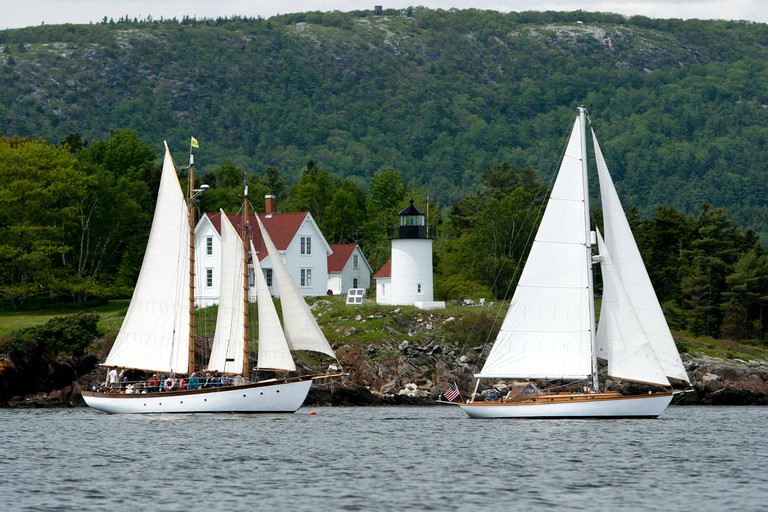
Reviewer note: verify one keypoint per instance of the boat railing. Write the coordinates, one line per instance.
(166, 384)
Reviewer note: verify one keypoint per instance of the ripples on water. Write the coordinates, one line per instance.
(382, 458)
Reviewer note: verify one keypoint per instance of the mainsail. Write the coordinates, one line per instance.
(301, 329)
(547, 330)
(155, 332)
(228, 339)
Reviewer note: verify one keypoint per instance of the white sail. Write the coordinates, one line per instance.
(274, 353)
(633, 274)
(547, 330)
(301, 328)
(228, 339)
(155, 332)
(629, 352)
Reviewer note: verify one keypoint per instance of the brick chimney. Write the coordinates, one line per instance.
(269, 204)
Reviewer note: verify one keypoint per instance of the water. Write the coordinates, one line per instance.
(382, 458)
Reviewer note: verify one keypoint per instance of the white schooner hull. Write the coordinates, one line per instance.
(616, 406)
(268, 396)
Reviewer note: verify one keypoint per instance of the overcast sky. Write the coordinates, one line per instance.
(24, 13)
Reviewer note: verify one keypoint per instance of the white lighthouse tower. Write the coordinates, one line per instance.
(409, 282)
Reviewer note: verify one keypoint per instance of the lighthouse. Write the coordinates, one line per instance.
(406, 279)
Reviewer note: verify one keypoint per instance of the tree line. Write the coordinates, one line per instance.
(74, 218)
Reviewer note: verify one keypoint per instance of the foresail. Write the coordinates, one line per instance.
(274, 353)
(631, 270)
(547, 330)
(227, 349)
(155, 332)
(301, 328)
(621, 338)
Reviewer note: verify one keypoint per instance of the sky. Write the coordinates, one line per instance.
(26, 13)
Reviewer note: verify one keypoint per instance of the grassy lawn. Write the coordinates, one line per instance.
(722, 348)
(111, 316)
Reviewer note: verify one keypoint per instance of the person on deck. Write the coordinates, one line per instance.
(112, 377)
(194, 381)
(154, 384)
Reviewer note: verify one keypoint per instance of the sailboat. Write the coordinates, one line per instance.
(157, 334)
(549, 329)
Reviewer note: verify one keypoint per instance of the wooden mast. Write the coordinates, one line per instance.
(246, 239)
(191, 219)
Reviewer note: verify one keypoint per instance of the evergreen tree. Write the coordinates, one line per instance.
(747, 297)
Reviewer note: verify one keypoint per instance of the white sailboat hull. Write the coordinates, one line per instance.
(268, 396)
(615, 406)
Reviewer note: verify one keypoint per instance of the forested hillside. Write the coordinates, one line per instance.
(349, 115)
(439, 95)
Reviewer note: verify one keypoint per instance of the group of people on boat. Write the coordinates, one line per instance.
(116, 383)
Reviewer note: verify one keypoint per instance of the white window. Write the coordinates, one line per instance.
(268, 276)
(306, 277)
(354, 263)
(209, 245)
(354, 282)
(418, 288)
(306, 245)
(251, 277)
(209, 277)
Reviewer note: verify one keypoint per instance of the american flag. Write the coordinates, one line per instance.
(451, 393)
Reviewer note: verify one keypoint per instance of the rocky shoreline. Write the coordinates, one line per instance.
(406, 380)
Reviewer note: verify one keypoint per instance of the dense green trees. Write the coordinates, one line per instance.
(708, 273)
(67, 220)
(488, 234)
(41, 189)
(437, 94)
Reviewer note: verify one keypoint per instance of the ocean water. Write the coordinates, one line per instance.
(382, 458)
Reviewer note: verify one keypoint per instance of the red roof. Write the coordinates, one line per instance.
(282, 228)
(340, 256)
(385, 271)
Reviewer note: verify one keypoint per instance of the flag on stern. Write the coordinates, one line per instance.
(194, 143)
(451, 393)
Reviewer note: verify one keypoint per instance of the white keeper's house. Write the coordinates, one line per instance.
(298, 241)
(347, 268)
